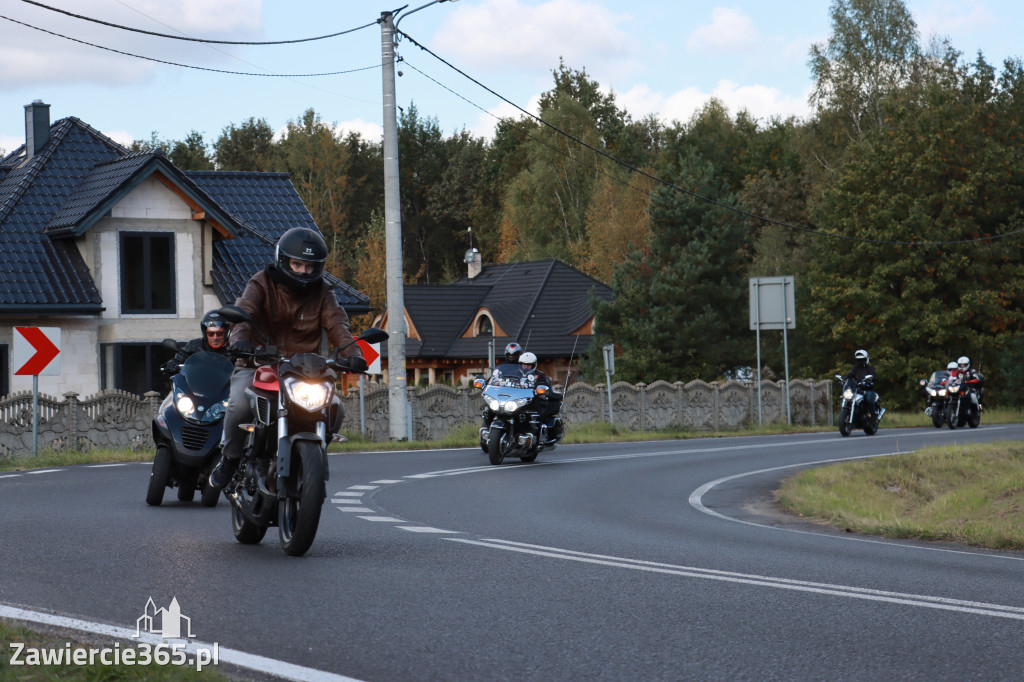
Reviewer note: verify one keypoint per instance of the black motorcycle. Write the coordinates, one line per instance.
(856, 410)
(513, 425)
(935, 396)
(963, 405)
(280, 480)
(187, 428)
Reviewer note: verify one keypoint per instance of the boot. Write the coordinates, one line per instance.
(223, 473)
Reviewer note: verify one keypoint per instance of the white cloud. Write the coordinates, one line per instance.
(945, 18)
(29, 56)
(729, 29)
(500, 33)
(370, 131)
(761, 101)
(122, 137)
(8, 144)
(486, 123)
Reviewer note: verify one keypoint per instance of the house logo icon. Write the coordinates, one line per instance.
(164, 622)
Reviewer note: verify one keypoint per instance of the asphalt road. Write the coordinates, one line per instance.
(642, 561)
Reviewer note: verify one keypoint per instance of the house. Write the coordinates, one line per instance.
(120, 250)
(455, 329)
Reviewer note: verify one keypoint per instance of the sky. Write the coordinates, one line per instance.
(661, 57)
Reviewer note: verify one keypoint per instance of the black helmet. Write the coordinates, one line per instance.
(213, 321)
(512, 352)
(304, 244)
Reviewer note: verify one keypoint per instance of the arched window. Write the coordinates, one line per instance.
(484, 327)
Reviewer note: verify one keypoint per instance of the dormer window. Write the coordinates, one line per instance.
(484, 326)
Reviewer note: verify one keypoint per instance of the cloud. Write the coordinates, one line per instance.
(370, 131)
(498, 33)
(729, 29)
(761, 101)
(487, 122)
(30, 56)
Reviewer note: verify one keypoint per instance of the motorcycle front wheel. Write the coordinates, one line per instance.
(937, 418)
(497, 446)
(974, 420)
(158, 476)
(298, 514)
(844, 422)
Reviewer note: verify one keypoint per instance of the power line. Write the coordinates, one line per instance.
(195, 40)
(190, 66)
(695, 195)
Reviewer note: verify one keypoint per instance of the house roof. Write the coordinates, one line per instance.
(541, 304)
(79, 174)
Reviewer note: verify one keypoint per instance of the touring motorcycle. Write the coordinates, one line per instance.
(280, 479)
(187, 428)
(513, 426)
(935, 396)
(855, 411)
(963, 402)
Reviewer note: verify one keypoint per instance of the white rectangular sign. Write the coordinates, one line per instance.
(36, 351)
(772, 303)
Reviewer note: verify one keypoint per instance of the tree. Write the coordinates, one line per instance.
(679, 310)
(247, 147)
(191, 153)
(871, 53)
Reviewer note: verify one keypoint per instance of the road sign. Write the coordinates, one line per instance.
(371, 353)
(36, 351)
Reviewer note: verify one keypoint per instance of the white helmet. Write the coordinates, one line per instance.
(528, 358)
(952, 365)
(963, 362)
(861, 355)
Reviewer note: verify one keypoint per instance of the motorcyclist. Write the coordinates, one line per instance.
(292, 303)
(214, 340)
(970, 375)
(507, 373)
(549, 405)
(862, 368)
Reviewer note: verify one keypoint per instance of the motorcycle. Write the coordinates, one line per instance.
(514, 428)
(281, 478)
(963, 403)
(855, 412)
(935, 396)
(187, 427)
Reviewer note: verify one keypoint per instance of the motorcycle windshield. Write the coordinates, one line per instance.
(938, 377)
(505, 393)
(208, 374)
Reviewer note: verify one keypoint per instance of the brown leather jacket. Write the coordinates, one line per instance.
(293, 321)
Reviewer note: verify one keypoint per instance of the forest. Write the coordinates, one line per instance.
(896, 206)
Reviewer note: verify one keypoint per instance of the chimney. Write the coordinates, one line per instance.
(475, 262)
(37, 127)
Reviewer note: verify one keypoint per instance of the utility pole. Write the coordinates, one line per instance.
(397, 393)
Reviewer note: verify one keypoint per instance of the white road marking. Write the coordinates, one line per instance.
(42, 471)
(361, 510)
(426, 529)
(363, 487)
(923, 601)
(384, 519)
(11, 476)
(106, 466)
(270, 666)
(385, 482)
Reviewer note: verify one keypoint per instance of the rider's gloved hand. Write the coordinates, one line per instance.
(170, 367)
(356, 363)
(242, 347)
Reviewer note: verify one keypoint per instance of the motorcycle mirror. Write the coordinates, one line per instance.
(373, 335)
(478, 383)
(170, 344)
(923, 382)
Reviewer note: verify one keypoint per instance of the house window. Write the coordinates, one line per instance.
(5, 378)
(147, 272)
(135, 367)
(484, 327)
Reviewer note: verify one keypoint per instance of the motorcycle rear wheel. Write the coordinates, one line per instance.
(870, 426)
(158, 476)
(497, 446)
(298, 514)
(532, 457)
(246, 532)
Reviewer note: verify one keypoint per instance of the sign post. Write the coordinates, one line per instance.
(371, 353)
(36, 351)
(609, 371)
(772, 306)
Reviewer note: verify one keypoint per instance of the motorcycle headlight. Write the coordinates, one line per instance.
(513, 405)
(848, 394)
(307, 395)
(184, 405)
(942, 392)
(954, 389)
(493, 403)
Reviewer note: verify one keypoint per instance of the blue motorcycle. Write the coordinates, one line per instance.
(187, 428)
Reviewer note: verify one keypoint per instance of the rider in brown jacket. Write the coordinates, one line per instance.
(292, 303)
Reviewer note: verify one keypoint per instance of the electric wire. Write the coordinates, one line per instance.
(196, 40)
(696, 195)
(191, 66)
